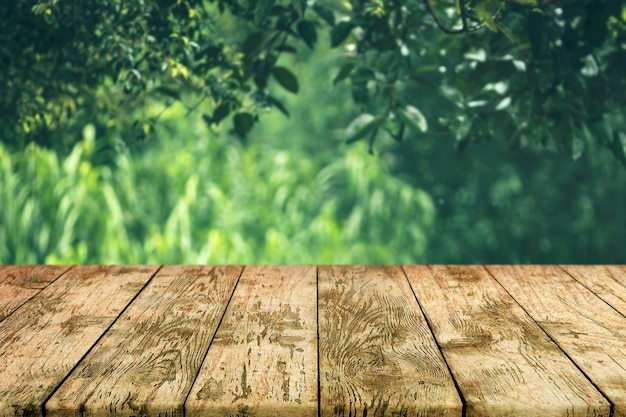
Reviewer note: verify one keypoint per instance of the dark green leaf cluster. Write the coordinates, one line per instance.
(528, 73)
(68, 62)
(551, 77)
(557, 86)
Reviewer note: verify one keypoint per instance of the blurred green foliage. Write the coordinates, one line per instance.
(202, 201)
(470, 169)
(521, 206)
(196, 196)
(524, 72)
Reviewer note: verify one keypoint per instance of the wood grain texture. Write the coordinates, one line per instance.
(42, 341)
(377, 354)
(19, 284)
(148, 360)
(591, 332)
(263, 360)
(606, 281)
(504, 364)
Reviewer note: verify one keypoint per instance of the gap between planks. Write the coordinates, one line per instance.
(163, 337)
(18, 284)
(503, 362)
(43, 341)
(586, 327)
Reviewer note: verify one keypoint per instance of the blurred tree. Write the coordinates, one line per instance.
(526, 72)
(68, 62)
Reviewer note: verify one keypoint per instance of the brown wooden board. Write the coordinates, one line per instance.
(591, 332)
(377, 354)
(606, 281)
(502, 361)
(19, 284)
(148, 360)
(263, 360)
(42, 341)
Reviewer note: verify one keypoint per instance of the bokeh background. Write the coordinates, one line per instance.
(294, 192)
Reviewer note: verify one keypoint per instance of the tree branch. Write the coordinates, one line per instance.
(438, 22)
(464, 29)
(463, 14)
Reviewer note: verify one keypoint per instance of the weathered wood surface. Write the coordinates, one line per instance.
(606, 281)
(263, 360)
(42, 341)
(393, 341)
(149, 359)
(590, 331)
(19, 284)
(503, 363)
(377, 354)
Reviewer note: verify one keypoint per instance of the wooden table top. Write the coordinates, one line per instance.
(300, 341)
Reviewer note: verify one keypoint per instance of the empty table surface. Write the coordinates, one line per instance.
(299, 341)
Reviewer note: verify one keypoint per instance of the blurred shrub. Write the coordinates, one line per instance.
(203, 201)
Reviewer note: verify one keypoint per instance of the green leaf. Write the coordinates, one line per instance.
(168, 91)
(278, 104)
(360, 80)
(299, 6)
(252, 43)
(413, 118)
(325, 13)
(364, 74)
(344, 72)
(486, 10)
(286, 48)
(506, 32)
(340, 33)
(262, 10)
(307, 31)
(262, 70)
(220, 113)
(286, 79)
(360, 127)
(207, 119)
(243, 123)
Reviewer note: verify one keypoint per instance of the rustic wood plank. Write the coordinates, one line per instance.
(19, 284)
(606, 281)
(148, 360)
(503, 363)
(263, 360)
(42, 341)
(377, 354)
(591, 332)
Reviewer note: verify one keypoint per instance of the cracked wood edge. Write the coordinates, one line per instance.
(606, 281)
(502, 361)
(377, 354)
(263, 360)
(148, 360)
(19, 284)
(42, 341)
(591, 332)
